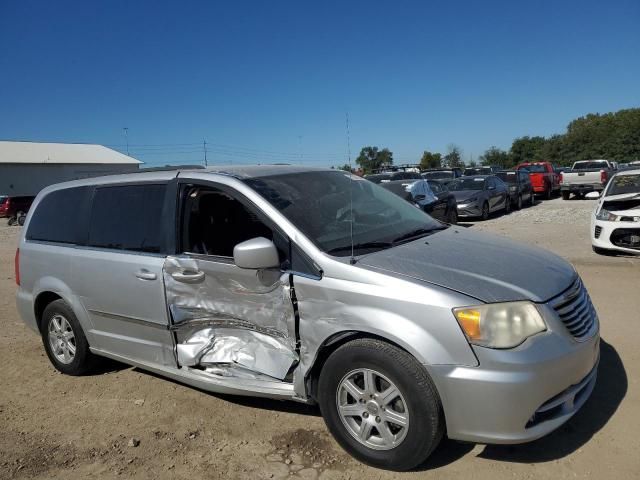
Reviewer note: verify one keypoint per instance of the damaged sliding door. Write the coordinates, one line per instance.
(228, 321)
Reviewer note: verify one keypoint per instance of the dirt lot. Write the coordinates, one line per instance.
(53, 426)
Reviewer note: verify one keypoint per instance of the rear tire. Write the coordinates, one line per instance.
(548, 194)
(365, 387)
(566, 195)
(64, 341)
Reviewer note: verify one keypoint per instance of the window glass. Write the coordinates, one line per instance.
(127, 218)
(56, 217)
(214, 222)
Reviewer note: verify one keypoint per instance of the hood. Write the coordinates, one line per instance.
(489, 268)
(466, 194)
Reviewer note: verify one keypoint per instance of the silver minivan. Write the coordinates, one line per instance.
(315, 286)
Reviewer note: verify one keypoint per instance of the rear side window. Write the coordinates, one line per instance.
(127, 218)
(57, 218)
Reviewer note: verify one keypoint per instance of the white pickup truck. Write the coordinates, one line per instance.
(585, 176)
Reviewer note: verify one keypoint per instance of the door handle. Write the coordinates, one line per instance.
(188, 276)
(145, 274)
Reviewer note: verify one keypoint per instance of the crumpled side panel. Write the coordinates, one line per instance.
(248, 349)
(240, 318)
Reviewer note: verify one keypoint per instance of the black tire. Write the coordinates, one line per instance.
(532, 199)
(426, 418)
(83, 360)
(548, 194)
(507, 205)
(21, 219)
(485, 211)
(565, 195)
(12, 221)
(519, 203)
(453, 216)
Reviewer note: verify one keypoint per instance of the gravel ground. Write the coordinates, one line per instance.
(124, 422)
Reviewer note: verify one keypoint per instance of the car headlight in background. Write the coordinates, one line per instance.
(606, 215)
(500, 325)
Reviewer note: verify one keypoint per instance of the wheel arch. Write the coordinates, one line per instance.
(41, 302)
(330, 345)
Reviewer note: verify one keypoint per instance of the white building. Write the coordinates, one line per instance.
(28, 167)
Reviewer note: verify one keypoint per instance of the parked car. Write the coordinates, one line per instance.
(392, 176)
(585, 176)
(520, 188)
(316, 286)
(544, 178)
(15, 208)
(480, 195)
(444, 175)
(421, 193)
(615, 223)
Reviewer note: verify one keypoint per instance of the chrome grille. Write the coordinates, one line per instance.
(598, 231)
(576, 311)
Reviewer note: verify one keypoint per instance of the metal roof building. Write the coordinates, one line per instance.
(28, 167)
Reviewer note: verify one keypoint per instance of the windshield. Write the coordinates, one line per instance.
(317, 203)
(590, 165)
(624, 184)
(509, 177)
(534, 168)
(437, 175)
(378, 178)
(477, 171)
(466, 184)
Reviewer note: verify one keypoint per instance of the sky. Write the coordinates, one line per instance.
(274, 81)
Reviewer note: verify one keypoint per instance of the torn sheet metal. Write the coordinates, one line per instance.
(248, 349)
(237, 317)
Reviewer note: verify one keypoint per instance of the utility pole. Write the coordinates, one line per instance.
(204, 145)
(126, 137)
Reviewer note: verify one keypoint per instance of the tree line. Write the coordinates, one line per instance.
(613, 136)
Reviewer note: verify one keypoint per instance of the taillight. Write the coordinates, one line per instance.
(560, 178)
(17, 266)
(603, 176)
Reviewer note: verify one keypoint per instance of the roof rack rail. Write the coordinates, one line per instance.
(168, 168)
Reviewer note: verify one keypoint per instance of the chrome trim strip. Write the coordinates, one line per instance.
(139, 321)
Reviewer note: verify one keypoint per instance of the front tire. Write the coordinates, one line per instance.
(485, 211)
(519, 203)
(380, 404)
(64, 341)
(453, 216)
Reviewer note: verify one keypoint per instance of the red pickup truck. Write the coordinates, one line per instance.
(544, 179)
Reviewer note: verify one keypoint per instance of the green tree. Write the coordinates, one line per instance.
(496, 156)
(453, 158)
(430, 160)
(526, 149)
(371, 158)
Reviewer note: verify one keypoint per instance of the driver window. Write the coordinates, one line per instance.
(213, 222)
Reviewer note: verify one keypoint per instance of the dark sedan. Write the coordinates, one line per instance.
(480, 195)
(520, 188)
(432, 197)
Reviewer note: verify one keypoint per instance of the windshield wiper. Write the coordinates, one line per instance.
(417, 233)
(361, 246)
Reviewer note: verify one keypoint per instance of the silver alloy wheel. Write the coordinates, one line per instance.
(61, 339)
(372, 409)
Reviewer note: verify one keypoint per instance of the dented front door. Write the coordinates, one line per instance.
(229, 321)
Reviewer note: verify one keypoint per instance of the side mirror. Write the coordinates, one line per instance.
(592, 195)
(256, 253)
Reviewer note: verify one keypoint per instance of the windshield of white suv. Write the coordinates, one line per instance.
(318, 203)
(621, 184)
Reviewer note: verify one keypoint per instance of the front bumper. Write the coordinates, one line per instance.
(520, 394)
(602, 234)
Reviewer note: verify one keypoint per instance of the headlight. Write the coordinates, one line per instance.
(500, 325)
(606, 215)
